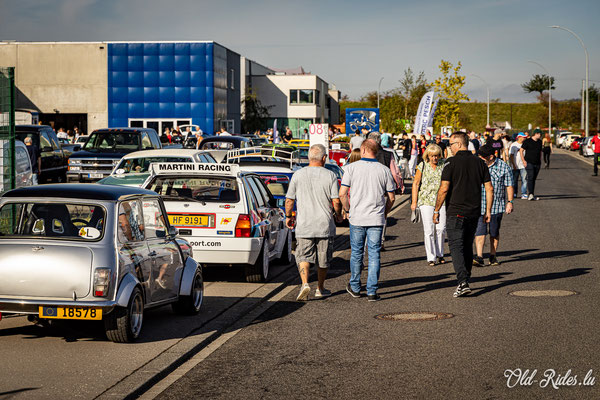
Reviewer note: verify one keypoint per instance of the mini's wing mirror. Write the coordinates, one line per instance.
(173, 231)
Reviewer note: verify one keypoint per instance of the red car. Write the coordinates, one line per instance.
(576, 143)
(339, 156)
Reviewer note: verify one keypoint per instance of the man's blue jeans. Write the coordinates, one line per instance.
(358, 235)
(523, 174)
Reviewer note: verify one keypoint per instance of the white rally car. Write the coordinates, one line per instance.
(228, 216)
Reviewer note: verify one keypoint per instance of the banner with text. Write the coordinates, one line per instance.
(425, 113)
(319, 134)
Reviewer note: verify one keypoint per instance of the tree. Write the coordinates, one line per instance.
(539, 83)
(412, 89)
(593, 92)
(448, 88)
(255, 113)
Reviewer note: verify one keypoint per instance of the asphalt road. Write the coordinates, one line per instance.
(335, 348)
(75, 360)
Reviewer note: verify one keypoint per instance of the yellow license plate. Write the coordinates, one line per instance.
(199, 221)
(71, 313)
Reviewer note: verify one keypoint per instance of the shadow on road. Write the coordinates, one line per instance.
(533, 278)
(11, 393)
(543, 254)
(564, 196)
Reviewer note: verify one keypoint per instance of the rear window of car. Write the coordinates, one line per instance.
(52, 220)
(277, 183)
(218, 146)
(201, 188)
(142, 164)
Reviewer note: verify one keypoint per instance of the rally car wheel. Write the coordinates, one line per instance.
(124, 324)
(190, 305)
(286, 254)
(259, 272)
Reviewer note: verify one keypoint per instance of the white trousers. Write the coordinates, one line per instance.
(412, 165)
(435, 234)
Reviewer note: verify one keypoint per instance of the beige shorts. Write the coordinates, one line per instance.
(311, 250)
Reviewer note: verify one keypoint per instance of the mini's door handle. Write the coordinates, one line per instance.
(152, 254)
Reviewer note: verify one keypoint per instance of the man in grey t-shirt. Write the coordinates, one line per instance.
(356, 140)
(315, 191)
(367, 194)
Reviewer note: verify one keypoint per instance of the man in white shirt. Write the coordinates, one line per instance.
(516, 162)
(62, 134)
(224, 132)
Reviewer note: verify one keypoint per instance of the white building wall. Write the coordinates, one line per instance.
(274, 90)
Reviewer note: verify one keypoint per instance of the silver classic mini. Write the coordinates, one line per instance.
(93, 252)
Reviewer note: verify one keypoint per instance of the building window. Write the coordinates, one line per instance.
(303, 96)
(232, 79)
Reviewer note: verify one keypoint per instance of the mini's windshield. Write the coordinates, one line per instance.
(277, 184)
(52, 220)
(113, 141)
(142, 164)
(201, 188)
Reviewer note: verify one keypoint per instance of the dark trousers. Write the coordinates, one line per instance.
(532, 172)
(461, 233)
(596, 162)
(546, 152)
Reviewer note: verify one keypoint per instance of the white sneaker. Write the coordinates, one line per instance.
(530, 197)
(524, 197)
(322, 293)
(304, 292)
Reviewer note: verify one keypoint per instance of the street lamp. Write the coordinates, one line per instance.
(587, 77)
(488, 98)
(378, 89)
(549, 95)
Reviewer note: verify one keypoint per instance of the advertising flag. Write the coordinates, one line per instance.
(425, 113)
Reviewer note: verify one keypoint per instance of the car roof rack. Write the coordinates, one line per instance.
(276, 155)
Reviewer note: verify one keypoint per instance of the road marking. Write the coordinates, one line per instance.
(167, 381)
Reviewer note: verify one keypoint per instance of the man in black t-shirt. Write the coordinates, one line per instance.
(496, 143)
(287, 136)
(462, 177)
(531, 154)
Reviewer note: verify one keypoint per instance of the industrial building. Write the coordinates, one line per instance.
(157, 85)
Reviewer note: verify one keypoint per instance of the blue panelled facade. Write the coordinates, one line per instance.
(163, 80)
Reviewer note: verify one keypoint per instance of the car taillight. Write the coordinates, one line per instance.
(101, 282)
(243, 226)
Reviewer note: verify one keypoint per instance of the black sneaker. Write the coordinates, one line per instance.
(373, 297)
(462, 289)
(478, 261)
(352, 292)
(494, 260)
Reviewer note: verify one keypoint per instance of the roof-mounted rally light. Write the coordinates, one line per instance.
(194, 168)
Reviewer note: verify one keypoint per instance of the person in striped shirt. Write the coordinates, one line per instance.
(502, 181)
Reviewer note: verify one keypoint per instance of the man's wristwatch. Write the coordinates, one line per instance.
(510, 201)
(436, 212)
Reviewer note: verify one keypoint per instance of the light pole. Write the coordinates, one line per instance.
(549, 95)
(587, 78)
(488, 98)
(378, 89)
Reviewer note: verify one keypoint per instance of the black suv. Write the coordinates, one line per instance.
(54, 159)
(105, 147)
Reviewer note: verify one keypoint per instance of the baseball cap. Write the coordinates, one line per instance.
(486, 150)
(522, 134)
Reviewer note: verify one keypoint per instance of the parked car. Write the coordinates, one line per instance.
(54, 159)
(560, 137)
(229, 216)
(220, 145)
(68, 146)
(105, 148)
(81, 139)
(575, 144)
(339, 156)
(134, 168)
(586, 147)
(568, 139)
(23, 168)
(93, 252)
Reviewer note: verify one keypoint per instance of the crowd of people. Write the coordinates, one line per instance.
(462, 185)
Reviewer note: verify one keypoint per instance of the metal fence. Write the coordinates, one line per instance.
(7, 128)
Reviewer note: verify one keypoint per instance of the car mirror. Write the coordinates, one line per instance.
(173, 231)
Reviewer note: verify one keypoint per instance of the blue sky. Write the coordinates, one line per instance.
(351, 43)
